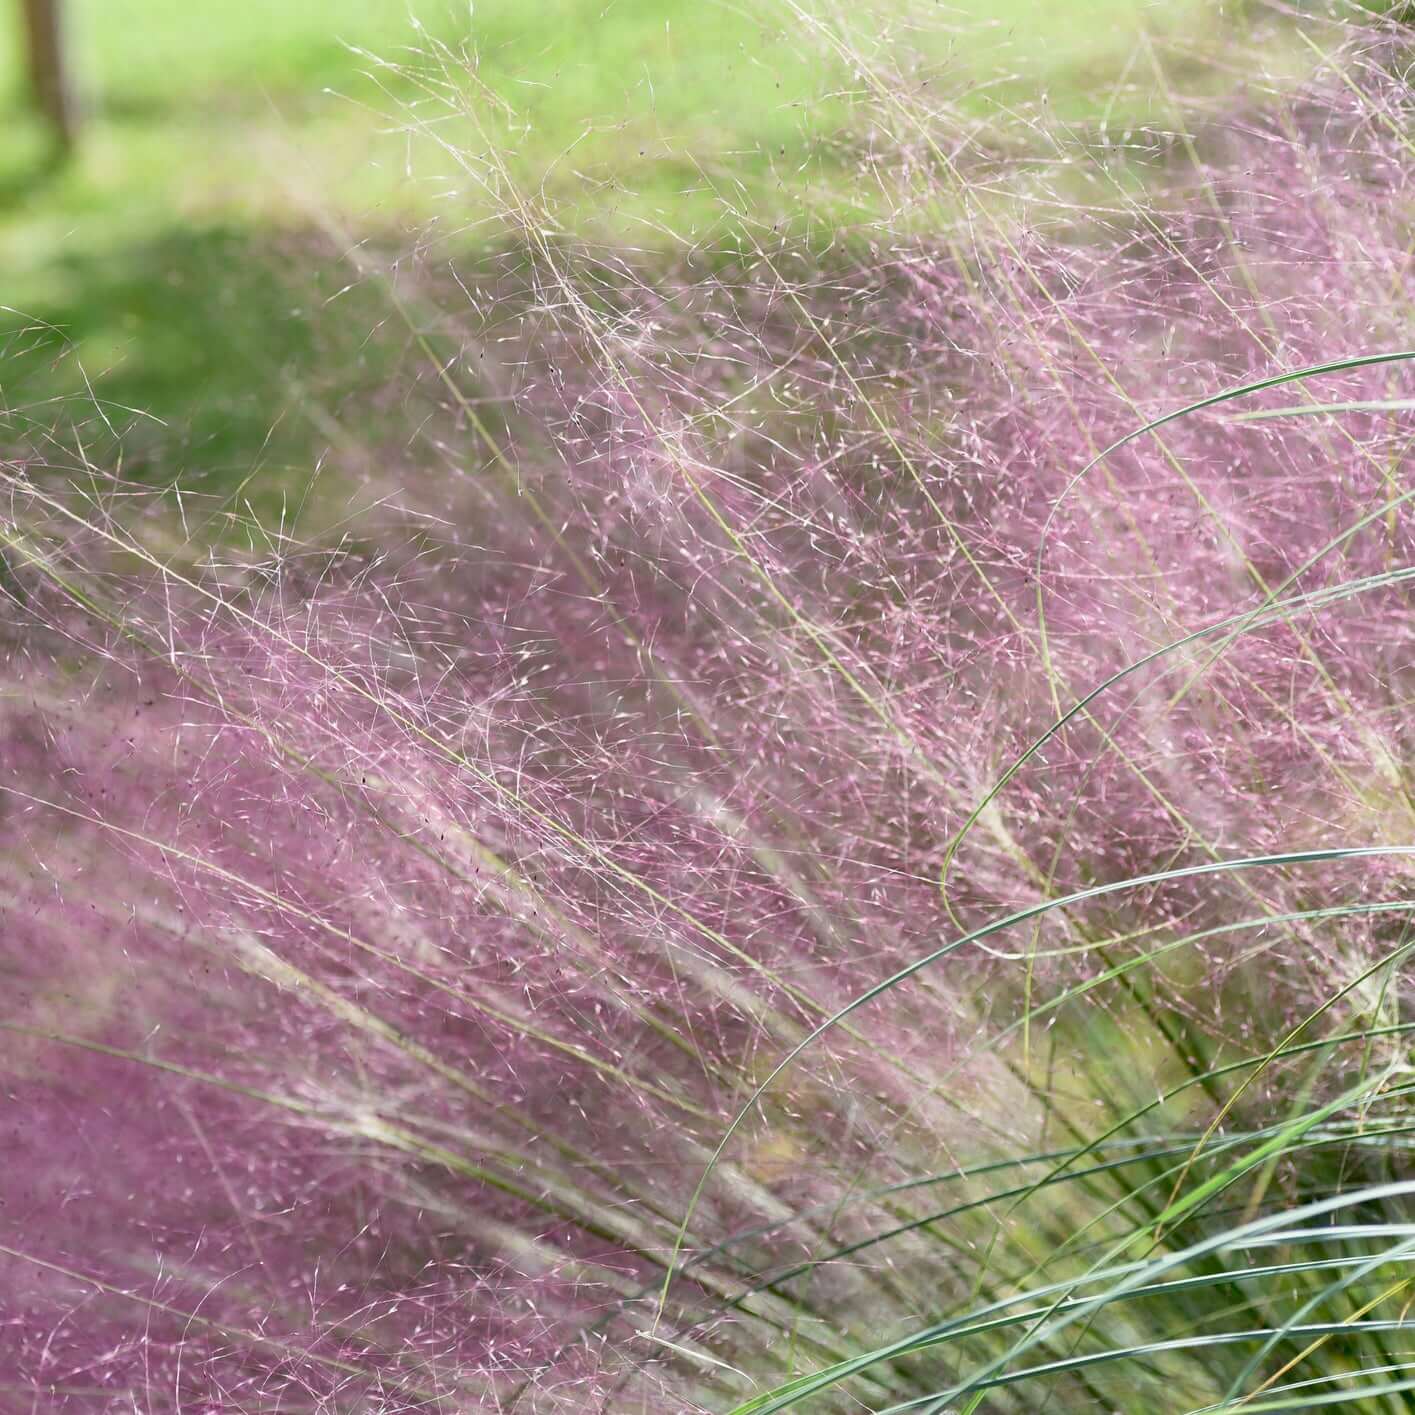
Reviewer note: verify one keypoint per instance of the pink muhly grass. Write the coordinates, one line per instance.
(392, 938)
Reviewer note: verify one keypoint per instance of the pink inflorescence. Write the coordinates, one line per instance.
(388, 940)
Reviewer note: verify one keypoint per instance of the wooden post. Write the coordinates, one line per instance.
(49, 81)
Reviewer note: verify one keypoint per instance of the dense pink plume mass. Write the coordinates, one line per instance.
(389, 937)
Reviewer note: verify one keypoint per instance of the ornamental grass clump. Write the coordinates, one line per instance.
(844, 846)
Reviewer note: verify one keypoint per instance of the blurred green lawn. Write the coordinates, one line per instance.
(172, 254)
